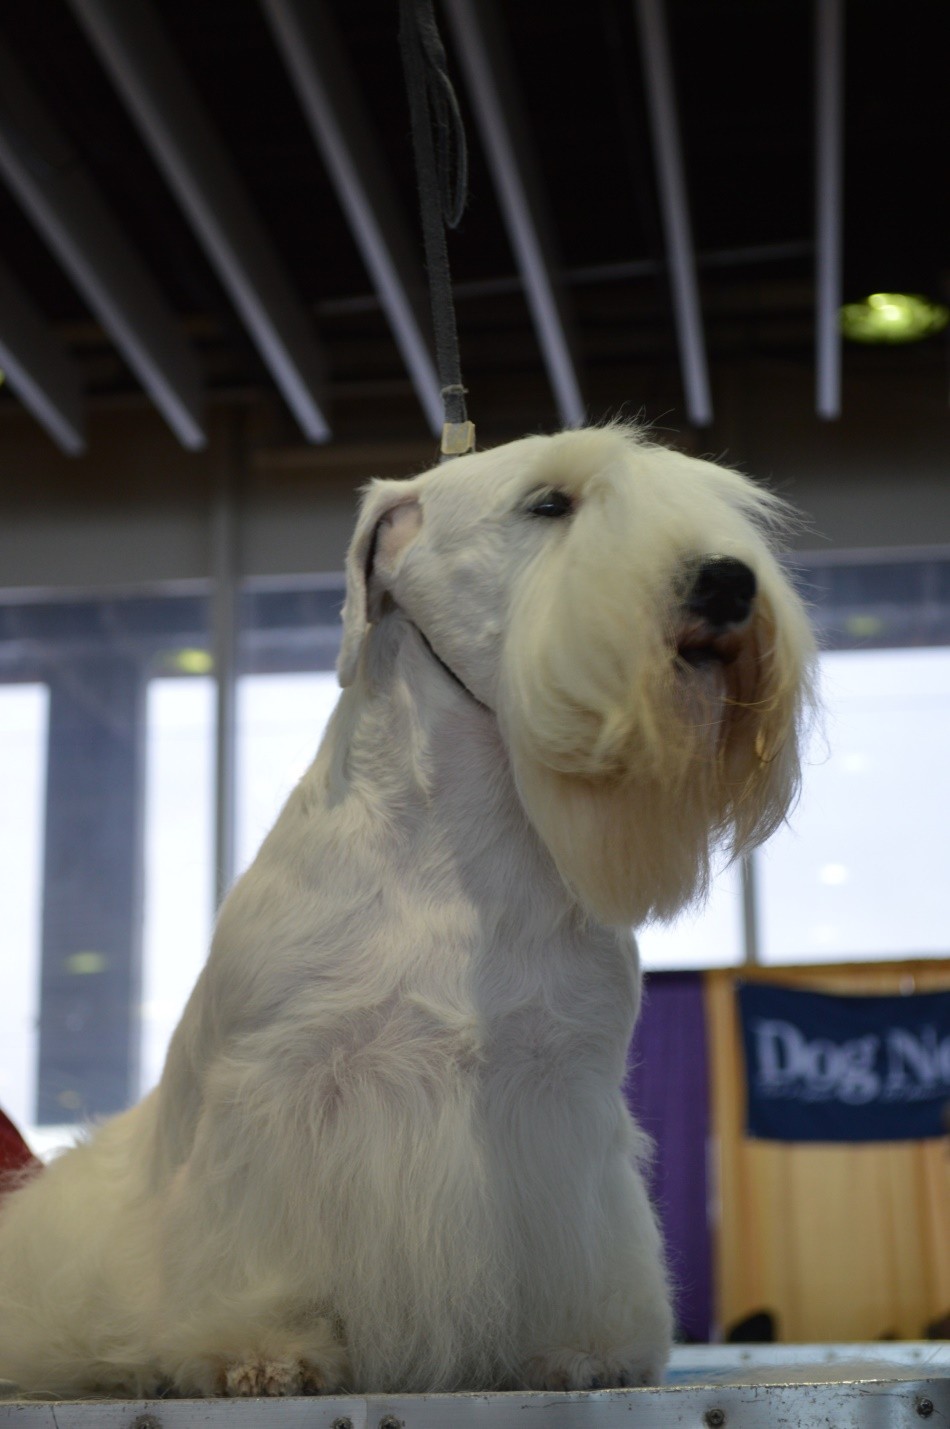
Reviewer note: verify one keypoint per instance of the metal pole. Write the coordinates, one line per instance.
(829, 141)
(44, 172)
(674, 205)
(483, 54)
(224, 564)
(750, 911)
(130, 40)
(312, 51)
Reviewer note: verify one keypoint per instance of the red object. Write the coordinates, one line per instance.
(15, 1155)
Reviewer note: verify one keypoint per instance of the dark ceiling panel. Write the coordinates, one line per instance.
(744, 78)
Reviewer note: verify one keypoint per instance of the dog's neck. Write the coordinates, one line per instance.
(404, 851)
(393, 613)
(428, 755)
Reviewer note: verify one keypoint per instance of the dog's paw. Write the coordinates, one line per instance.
(266, 1374)
(275, 1378)
(245, 1378)
(569, 1369)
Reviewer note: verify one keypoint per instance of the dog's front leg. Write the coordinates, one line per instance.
(242, 1307)
(249, 1361)
(612, 1325)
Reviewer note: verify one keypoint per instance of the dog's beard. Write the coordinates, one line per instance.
(635, 768)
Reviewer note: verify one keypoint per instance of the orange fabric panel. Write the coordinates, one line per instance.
(840, 1242)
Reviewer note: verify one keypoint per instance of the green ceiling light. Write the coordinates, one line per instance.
(190, 662)
(864, 627)
(893, 317)
(83, 964)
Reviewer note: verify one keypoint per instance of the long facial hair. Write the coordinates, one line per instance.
(633, 767)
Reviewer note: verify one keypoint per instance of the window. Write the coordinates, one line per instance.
(107, 759)
(74, 741)
(862, 870)
(280, 722)
(179, 860)
(712, 936)
(24, 713)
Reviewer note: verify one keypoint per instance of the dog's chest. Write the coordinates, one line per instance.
(502, 1023)
(558, 1018)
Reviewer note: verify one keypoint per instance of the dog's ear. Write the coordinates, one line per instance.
(389, 519)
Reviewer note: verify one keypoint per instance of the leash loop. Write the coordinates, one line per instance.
(441, 155)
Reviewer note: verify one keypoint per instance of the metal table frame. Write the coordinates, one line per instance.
(878, 1386)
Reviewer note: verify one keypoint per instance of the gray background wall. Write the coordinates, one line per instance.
(136, 509)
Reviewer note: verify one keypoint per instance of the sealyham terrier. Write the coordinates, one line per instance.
(389, 1151)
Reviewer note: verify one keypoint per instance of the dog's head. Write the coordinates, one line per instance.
(619, 607)
(447, 548)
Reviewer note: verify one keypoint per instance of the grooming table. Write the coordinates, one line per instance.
(898, 1385)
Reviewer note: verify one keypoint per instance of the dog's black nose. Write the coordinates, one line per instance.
(722, 592)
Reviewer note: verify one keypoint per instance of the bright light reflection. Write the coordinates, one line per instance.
(281, 719)
(24, 715)
(878, 841)
(179, 837)
(893, 317)
(707, 937)
(889, 829)
(280, 723)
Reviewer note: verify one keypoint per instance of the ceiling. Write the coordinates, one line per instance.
(573, 99)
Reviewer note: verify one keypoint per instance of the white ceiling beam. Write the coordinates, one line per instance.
(310, 46)
(41, 168)
(165, 106)
(482, 52)
(38, 369)
(829, 203)
(674, 207)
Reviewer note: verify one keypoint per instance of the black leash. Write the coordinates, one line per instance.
(438, 141)
(448, 668)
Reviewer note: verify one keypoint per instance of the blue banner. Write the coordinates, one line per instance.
(828, 1068)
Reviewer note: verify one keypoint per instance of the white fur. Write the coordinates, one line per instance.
(389, 1150)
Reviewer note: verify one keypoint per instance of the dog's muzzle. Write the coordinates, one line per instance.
(716, 611)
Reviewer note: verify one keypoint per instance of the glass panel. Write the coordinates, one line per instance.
(863, 871)
(706, 937)
(281, 719)
(106, 711)
(287, 690)
(179, 841)
(24, 712)
(74, 795)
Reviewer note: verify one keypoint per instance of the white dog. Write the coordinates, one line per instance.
(389, 1151)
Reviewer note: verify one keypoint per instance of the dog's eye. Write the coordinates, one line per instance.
(550, 503)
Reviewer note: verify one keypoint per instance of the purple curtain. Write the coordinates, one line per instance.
(667, 1088)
